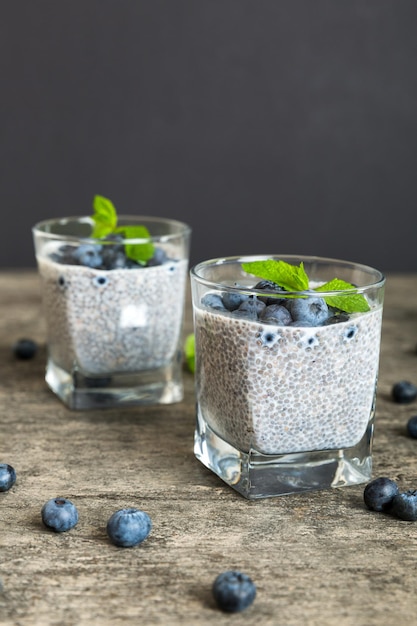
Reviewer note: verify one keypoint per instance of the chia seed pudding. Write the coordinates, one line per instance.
(287, 389)
(115, 321)
(282, 387)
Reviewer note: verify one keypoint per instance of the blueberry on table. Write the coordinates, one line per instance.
(7, 476)
(128, 527)
(59, 514)
(412, 427)
(379, 493)
(404, 392)
(404, 505)
(233, 591)
(25, 349)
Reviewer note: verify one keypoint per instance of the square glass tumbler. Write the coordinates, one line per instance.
(284, 403)
(113, 325)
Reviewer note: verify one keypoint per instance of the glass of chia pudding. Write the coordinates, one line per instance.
(286, 357)
(114, 308)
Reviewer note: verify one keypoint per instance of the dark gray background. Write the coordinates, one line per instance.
(270, 127)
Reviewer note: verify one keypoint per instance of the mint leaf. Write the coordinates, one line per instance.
(139, 252)
(104, 217)
(350, 303)
(294, 278)
(289, 277)
(105, 223)
(189, 350)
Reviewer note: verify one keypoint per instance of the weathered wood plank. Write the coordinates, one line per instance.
(317, 559)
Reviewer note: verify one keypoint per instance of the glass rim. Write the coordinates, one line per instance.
(135, 220)
(377, 284)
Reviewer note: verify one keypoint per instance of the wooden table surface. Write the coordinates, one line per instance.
(317, 559)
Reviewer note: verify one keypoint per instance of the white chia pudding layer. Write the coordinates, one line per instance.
(112, 321)
(284, 389)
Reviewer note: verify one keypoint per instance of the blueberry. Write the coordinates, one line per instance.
(268, 338)
(350, 333)
(268, 285)
(62, 283)
(311, 309)
(59, 514)
(25, 349)
(253, 306)
(233, 591)
(64, 254)
(113, 258)
(128, 527)
(336, 317)
(159, 258)
(378, 494)
(7, 476)
(404, 505)
(310, 341)
(232, 300)
(277, 314)
(100, 281)
(89, 255)
(404, 392)
(213, 301)
(412, 427)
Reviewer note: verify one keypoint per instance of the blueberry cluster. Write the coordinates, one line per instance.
(109, 254)
(383, 495)
(232, 590)
(126, 528)
(305, 311)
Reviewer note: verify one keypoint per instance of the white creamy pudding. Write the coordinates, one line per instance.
(115, 321)
(282, 389)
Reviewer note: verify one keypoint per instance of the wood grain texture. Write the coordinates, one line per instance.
(318, 559)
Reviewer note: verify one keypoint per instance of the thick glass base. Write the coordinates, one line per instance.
(256, 475)
(80, 392)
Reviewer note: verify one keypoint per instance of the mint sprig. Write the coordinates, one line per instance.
(105, 223)
(104, 217)
(294, 278)
(350, 303)
(289, 277)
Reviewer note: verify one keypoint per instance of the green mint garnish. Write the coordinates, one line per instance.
(294, 278)
(105, 223)
(289, 277)
(189, 350)
(139, 252)
(104, 217)
(350, 303)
